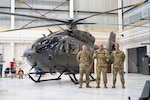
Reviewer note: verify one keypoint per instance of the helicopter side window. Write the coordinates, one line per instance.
(63, 47)
(73, 47)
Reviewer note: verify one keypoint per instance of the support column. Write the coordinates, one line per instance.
(12, 16)
(95, 62)
(148, 50)
(126, 61)
(148, 46)
(71, 9)
(120, 15)
(12, 49)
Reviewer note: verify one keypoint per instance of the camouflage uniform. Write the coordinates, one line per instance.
(84, 59)
(102, 57)
(118, 58)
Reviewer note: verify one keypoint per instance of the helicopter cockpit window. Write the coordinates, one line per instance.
(54, 42)
(49, 43)
(73, 47)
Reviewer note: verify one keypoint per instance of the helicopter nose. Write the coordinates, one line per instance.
(28, 53)
(30, 56)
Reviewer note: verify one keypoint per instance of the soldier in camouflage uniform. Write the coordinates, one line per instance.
(84, 58)
(102, 56)
(118, 58)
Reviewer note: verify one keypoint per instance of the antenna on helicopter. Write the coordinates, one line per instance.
(50, 31)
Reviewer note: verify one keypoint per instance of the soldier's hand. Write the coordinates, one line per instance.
(106, 55)
(107, 59)
(94, 55)
(122, 66)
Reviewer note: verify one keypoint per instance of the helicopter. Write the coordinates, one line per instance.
(57, 51)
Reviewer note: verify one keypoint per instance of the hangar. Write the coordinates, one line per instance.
(130, 24)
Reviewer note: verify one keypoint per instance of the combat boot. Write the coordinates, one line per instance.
(123, 85)
(113, 85)
(105, 86)
(88, 86)
(80, 86)
(97, 86)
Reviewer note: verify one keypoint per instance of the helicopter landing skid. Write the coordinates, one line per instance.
(39, 78)
(75, 81)
(92, 78)
(71, 76)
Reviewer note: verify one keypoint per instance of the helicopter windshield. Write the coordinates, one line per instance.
(53, 43)
(47, 43)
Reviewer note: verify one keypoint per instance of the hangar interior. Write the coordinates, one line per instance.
(131, 26)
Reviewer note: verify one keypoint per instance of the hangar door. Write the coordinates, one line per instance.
(135, 55)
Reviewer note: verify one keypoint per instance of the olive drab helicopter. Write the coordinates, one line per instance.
(57, 51)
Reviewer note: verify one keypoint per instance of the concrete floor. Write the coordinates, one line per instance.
(64, 89)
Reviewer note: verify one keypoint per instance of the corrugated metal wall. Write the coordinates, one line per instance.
(83, 8)
(137, 14)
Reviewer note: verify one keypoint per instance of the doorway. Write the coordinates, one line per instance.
(135, 55)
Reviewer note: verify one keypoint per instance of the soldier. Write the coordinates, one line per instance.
(84, 58)
(118, 58)
(102, 56)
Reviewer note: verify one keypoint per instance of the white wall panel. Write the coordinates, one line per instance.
(5, 3)
(101, 37)
(96, 5)
(19, 50)
(8, 55)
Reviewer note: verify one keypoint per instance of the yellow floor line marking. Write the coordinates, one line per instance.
(3, 90)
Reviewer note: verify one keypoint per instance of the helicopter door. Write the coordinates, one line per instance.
(72, 53)
(62, 54)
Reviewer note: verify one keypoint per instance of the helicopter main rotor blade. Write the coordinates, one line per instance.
(30, 16)
(86, 23)
(133, 5)
(44, 13)
(32, 27)
(145, 43)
